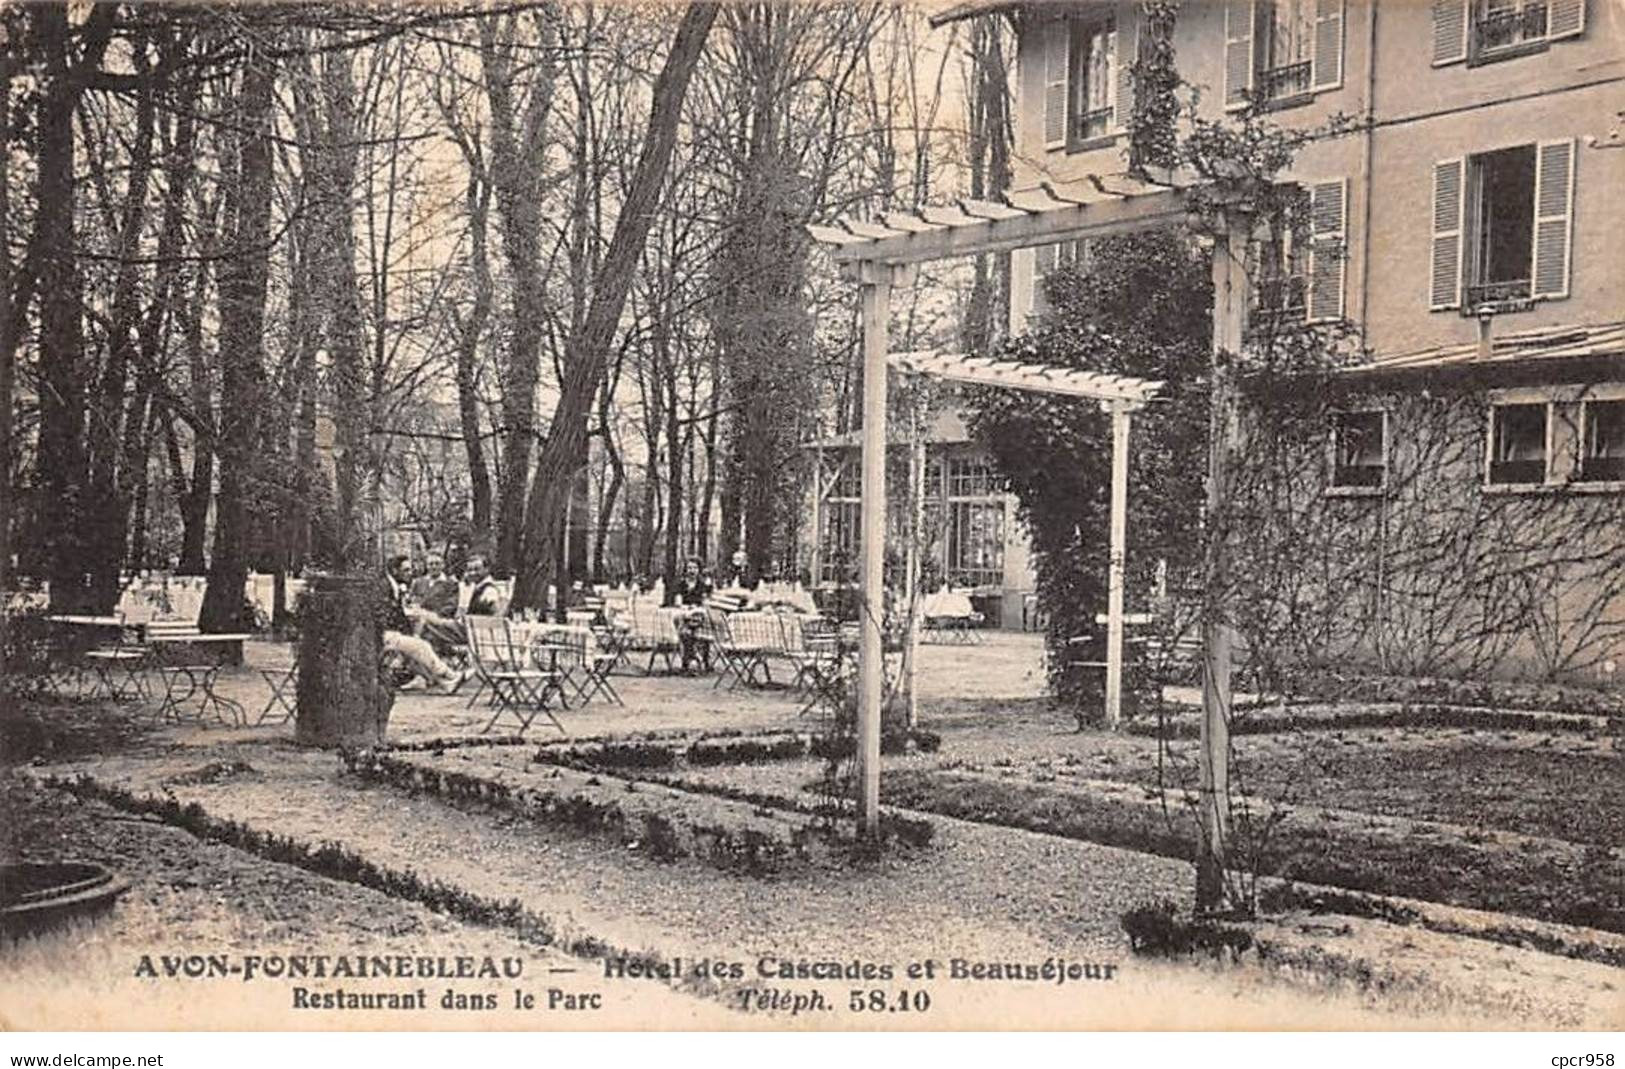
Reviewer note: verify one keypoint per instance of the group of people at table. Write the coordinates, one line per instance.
(423, 616)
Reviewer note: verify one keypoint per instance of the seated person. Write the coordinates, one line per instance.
(484, 598)
(436, 595)
(435, 590)
(692, 588)
(418, 654)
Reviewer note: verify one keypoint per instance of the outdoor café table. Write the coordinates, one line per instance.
(551, 641)
(200, 677)
(81, 636)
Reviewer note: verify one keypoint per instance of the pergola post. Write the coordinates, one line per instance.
(1120, 412)
(1229, 325)
(875, 279)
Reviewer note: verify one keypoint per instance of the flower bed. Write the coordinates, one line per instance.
(1543, 878)
(1489, 693)
(664, 821)
(659, 752)
(1280, 719)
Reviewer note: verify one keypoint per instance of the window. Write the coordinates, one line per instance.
(1501, 227)
(1299, 257)
(1501, 191)
(1092, 108)
(1281, 51)
(975, 543)
(1047, 259)
(1483, 31)
(1602, 455)
(1359, 450)
(1517, 444)
(1088, 80)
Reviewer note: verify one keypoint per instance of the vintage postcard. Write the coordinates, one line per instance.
(812, 516)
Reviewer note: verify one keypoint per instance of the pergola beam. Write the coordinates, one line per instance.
(961, 233)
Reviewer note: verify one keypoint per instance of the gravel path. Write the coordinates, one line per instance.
(189, 897)
(979, 894)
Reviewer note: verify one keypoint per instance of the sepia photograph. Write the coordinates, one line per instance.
(812, 516)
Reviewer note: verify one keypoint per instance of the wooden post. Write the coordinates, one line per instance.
(1119, 539)
(876, 282)
(916, 504)
(1229, 324)
(818, 518)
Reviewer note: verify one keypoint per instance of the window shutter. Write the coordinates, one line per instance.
(1328, 210)
(1238, 52)
(1449, 31)
(1128, 50)
(1554, 216)
(1328, 58)
(1445, 286)
(1565, 18)
(1057, 42)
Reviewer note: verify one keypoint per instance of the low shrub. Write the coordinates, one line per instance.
(1156, 930)
(746, 750)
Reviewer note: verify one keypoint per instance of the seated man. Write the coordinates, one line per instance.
(418, 654)
(484, 598)
(691, 589)
(435, 590)
(436, 594)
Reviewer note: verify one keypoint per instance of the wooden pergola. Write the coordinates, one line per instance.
(883, 253)
(1120, 396)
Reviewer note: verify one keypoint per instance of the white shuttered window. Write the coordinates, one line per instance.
(1554, 211)
(1239, 20)
(1445, 272)
(1328, 58)
(1328, 211)
(1056, 54)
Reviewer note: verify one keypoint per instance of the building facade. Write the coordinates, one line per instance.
(1462, 221)
(970, 535)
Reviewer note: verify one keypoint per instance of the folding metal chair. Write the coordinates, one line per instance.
(590, 674)
(519, 687)
(284, 684)
(751, 637)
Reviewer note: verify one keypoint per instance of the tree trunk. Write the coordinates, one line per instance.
(516, 171)
(107, 504)
(342, 700)
(468, 349)
(242, 332)
(63, 509)
(8, 343)
(567, 433)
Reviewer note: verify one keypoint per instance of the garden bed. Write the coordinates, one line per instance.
(1501, 871)
(1277, 718)
(731, 748)
(663, 821)
(1482, 693)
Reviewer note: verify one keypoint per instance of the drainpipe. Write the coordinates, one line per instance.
(1365, 164)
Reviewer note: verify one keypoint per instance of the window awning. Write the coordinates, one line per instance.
(1093, 207)
(1019, 375)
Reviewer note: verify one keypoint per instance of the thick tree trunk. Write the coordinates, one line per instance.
(62, 514)
(8, 342)
(342, 700)
(242, 332)
(108, 502)
(567, 433)
(516, 170)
